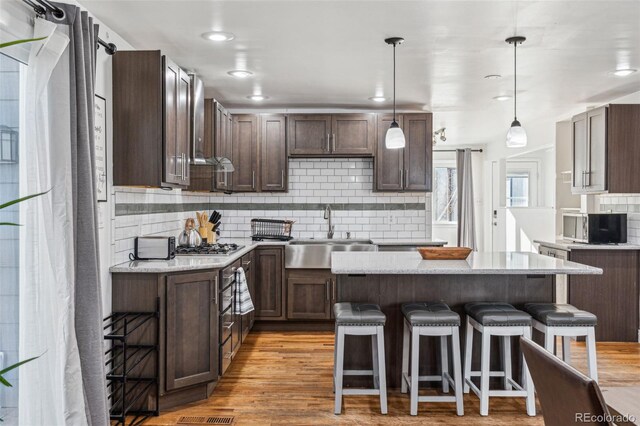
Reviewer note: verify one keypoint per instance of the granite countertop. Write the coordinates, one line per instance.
(571, 245)
(408, 242)
(200, 262)
(407, 263)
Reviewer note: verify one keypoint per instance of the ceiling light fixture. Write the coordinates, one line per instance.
(240, 73)
(492, 76)
(623, 72)
(377, 98)
(501, 98)
(218, 36)
(516, 136)
(440, 134)
(395, 137)
(257, 97)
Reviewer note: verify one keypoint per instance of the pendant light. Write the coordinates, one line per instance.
(516, 136)
(395, 137)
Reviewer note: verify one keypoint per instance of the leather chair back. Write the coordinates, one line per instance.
(566, 395)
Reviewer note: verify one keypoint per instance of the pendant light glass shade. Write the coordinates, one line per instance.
(395, 137)
(516, 136)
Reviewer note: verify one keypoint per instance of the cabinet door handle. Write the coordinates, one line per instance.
(215, 290)
(406, 178)
(401, 175)
(328, 148)
(334, 142)
(327, 285)
(282, 177)
(335, 296)
(253, 179)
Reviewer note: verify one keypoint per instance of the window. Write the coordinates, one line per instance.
(517, 189)
(11, 74)
(445, 194)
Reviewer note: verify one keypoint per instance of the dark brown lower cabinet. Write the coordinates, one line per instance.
(192, 317)
(188, 346)
(310, 294)
(269, 276)
(613, 296)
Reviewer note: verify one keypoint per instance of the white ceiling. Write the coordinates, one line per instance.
(316, 54)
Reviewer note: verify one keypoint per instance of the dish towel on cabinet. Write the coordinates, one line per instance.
(244, 305)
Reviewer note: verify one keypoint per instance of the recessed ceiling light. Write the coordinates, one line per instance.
(501, 98)
(240, 73)
(377, 98)
(218, 36)
(624, 72)
(257, 97)
(492, 76)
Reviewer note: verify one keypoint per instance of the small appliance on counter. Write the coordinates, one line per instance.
(154, 248)
(189, 237)
(595, 228)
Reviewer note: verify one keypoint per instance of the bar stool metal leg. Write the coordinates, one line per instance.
(382, 369)
(405, 357)
(506, 362)
(457, 371)
(485, 357)
(591, 354)
(468, 352)
(444, 362)
(415, 356)
(339, 370)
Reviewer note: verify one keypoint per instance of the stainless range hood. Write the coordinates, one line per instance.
(220, 164)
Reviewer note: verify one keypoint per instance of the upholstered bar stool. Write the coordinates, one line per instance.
(497, 319)
(360, 319)
(431, 319)
(567, 321)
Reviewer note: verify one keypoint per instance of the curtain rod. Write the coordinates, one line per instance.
(455, 150)
(41, 7)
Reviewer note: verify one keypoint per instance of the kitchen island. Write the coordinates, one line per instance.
(391, 279)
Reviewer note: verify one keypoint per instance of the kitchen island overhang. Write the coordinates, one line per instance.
(391, 279)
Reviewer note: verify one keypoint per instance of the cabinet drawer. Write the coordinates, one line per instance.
(226, 324)
(226, 353)
(226, 298)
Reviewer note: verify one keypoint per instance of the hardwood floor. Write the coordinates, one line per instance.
(282, 378)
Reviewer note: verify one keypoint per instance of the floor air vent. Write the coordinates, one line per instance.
(202, 420)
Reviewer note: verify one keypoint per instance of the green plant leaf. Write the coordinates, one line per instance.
(19, 200)
(9, 224)
(13, 367)
(27, 40)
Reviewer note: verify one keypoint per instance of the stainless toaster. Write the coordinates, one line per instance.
(154, 248)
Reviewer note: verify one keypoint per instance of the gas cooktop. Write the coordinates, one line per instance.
(208, 249)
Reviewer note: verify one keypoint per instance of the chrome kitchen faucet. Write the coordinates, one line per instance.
(327, 216)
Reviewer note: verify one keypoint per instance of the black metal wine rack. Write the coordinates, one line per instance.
(129, 383)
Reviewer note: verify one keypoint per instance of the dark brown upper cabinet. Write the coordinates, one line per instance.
(245, 153)
(409, 168)
(217, 142)
(151, 120)
(605, 148)
(273, 153)
(339, 135)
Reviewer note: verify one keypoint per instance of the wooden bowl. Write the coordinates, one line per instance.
(444, 253)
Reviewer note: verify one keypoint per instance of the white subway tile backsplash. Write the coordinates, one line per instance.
(311, 181)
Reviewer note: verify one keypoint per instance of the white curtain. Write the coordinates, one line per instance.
(51, 388)
(466, 211)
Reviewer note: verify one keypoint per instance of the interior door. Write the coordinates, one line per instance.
(596, 176)
(172, 155)
(389, 173)
(353, 134)
(191, 327)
